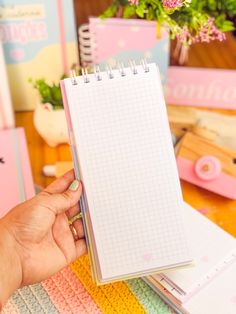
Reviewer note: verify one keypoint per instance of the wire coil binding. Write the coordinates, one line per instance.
(132, 65)
(96, 71)
(85, 75)
(109, 70)
(73, 77)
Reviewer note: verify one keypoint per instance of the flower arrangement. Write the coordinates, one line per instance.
(189, 21)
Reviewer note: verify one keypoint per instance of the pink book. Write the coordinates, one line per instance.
(16, 183)
(6, 110)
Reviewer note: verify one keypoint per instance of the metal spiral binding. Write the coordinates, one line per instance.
(96, 71)
(85, 75)
(121, 69)
(73, 77)
(132, 65)
(144, 65)
(109, 70)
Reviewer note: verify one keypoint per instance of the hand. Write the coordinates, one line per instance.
(36, 239)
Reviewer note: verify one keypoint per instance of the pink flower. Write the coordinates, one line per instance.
(184, 36)
(133, 2)
(172, 4)
(209, 32)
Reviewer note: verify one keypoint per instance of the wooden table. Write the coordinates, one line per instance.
(219, 209)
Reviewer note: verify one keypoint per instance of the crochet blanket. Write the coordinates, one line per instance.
(73, 291)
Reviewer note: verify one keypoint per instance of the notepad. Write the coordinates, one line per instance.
(123, 153)
(16, 182)
(207, 286)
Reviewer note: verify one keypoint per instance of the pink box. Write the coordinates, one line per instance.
(16, 183)
(211, 88)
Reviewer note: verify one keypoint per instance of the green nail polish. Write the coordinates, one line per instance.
(74, 185)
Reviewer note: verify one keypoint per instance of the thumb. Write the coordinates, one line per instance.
(59, 203)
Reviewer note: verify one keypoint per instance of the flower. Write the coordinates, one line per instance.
(209, 32)
(174, 4)
(133, 2)
(184, 36)
(189, 21)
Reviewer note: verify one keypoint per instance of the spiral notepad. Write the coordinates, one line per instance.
(132, 205)
(207, 285)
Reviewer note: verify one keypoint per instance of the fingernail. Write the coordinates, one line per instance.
(74, 185)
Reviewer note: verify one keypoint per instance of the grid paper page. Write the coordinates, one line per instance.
(129, 172)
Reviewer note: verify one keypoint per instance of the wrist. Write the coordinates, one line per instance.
(10, 265)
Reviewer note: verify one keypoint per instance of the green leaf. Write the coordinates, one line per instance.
(151, 14)
(110, 11)
(48, 93)
(129, 10)
(141, 9)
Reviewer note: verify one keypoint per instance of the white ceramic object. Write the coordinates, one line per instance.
(51, 124)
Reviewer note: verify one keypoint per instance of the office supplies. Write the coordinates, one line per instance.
(113, 39)
(6, 111)
(208, 287)
(15, 174)
(122, 150)
(202, 162)
(199, 87)
(36, 34)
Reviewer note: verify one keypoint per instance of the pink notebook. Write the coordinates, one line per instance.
(116, 40)
(16, 183)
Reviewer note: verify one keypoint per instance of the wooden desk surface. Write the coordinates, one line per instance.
(219, 209)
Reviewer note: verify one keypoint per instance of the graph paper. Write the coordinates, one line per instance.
(128, 169)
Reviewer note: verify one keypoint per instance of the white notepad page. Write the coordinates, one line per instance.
(213, 251)
(128, 169)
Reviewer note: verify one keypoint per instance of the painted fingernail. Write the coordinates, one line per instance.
(74, 185)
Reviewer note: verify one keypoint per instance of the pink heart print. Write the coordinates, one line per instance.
(147, 257)
(205, 259)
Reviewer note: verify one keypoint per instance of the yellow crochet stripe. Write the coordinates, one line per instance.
(112, 298)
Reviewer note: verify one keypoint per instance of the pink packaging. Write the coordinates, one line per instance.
(211, 88)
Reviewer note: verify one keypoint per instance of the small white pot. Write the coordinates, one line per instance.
(51, 124)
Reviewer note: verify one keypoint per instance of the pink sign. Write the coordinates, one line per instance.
(211, 88)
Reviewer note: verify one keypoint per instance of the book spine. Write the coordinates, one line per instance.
(6, 110)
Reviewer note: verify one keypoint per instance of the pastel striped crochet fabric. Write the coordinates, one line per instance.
(72, 291)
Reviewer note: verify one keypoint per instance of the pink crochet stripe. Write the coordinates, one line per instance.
(68, 294)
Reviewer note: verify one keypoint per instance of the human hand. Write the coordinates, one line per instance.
(36, 237)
